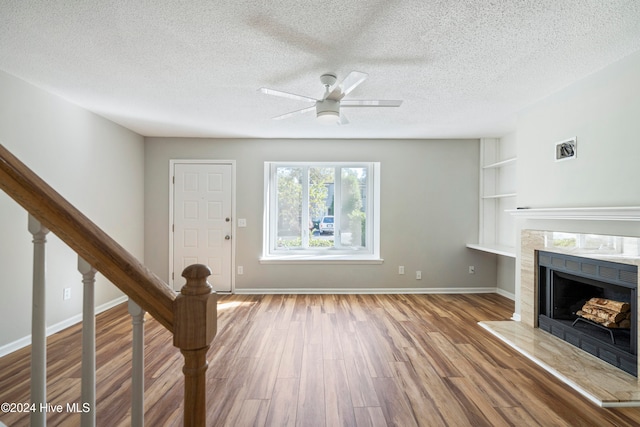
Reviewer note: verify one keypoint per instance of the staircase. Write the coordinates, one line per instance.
(189, 315)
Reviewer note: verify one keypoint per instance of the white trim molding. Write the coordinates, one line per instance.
(625, 213)
(25, 341)
(314, 259)
(317, 291)
(506, 294)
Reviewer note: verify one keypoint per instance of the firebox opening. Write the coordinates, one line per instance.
(566, 283)
(570, 293)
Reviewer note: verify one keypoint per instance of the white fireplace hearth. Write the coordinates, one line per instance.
(595, 379)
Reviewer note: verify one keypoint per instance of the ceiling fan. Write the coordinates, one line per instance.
(328, 107)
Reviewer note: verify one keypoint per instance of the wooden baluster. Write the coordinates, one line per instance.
(88, 387)
(38, 325)
(137, 365)
(195, 320)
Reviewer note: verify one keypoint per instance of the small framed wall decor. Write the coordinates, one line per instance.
(567, 149)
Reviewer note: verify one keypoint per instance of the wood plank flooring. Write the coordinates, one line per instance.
(322, 360)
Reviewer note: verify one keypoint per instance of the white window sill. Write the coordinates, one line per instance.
(320, 259)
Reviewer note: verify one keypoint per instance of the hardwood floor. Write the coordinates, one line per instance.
(322, 360)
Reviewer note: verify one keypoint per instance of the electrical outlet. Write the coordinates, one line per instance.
(418, 275)
(242, 222)
(240, 270)
(401, 269)
(66, 294)
(472, 269)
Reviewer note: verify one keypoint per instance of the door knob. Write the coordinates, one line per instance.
(227, 237)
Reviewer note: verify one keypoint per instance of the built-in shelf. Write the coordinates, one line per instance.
(498, 193)
(500, 196)
(625, 213)
(500, 163)
(507, 251)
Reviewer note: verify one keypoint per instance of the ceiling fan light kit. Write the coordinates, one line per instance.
(328, 111)
(328, 107)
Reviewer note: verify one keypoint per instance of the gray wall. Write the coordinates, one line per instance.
(506, 276)
(94, 164)
(429, 208)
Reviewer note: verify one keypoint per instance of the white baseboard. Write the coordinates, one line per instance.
(506, 294)
(318, 291)
(25, 341)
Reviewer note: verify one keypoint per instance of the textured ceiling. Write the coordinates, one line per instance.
(193, 68)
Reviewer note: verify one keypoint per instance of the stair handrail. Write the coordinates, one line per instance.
(189, 315)
(89, 241)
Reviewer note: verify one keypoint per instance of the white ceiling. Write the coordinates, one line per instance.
(192, 68)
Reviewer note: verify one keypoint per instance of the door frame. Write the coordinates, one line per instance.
(232, 163)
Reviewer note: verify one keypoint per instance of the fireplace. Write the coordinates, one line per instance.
(566, 283)
(599, 381)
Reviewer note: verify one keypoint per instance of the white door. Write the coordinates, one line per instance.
(202, 223)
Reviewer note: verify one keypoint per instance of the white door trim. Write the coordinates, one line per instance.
(232, 163)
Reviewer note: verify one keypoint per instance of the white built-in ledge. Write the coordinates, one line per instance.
(507, 251)
(626, 213)
(500, 196)
(500, 163)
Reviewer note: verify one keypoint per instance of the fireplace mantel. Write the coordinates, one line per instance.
(625, 213)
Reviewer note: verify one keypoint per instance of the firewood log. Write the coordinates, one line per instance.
(625, 324)
(619, 306)
(603, 313)
(600, 321)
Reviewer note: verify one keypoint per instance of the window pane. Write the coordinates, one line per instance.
(353, 207)
(602, 243)
(321, 182)
(564, 240)
(289, 205)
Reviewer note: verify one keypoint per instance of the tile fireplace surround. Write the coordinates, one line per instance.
(595, 379)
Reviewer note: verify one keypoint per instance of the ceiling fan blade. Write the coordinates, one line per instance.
(295, 113)
(371, 103)
(347, 85)
(282, 94)
(343, 120)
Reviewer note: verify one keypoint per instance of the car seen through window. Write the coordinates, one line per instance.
(326, 225)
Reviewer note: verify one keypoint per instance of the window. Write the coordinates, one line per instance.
(591, 243)
(321, 212)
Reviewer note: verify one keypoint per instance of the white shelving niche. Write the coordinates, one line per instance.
(498, 186)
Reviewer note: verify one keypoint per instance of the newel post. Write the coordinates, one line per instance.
(195, 325)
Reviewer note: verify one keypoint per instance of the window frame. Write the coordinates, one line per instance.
(272, 254)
